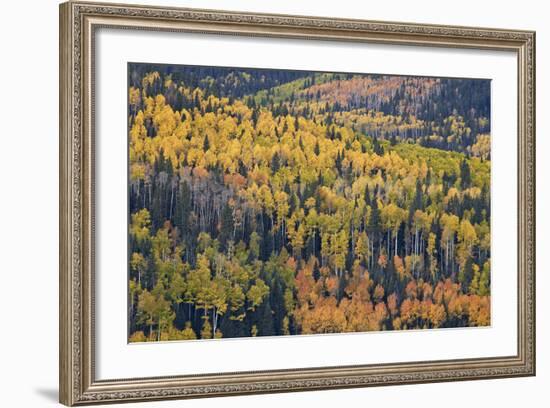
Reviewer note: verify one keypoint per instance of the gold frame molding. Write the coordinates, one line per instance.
(78, 22)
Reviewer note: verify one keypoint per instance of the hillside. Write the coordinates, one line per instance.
(278, 202)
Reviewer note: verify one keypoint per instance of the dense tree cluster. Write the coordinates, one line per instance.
(283, 202)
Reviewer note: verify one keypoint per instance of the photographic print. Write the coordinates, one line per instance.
(277, 202)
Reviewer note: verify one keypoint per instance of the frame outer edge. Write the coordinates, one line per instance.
(75, 388)
(66, 372)
(527, 201)
(532, 130)
(534, 237)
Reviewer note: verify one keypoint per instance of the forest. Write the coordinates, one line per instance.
(271, 202)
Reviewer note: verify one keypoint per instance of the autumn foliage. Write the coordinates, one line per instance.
(280, 203)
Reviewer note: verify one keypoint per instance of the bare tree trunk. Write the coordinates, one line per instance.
(171, 201)
(396, 235)
(158, 338)
(447, 257)
(214, 322)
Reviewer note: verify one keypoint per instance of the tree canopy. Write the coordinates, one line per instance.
(287, 202)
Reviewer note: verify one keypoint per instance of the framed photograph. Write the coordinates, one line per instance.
(256, 203)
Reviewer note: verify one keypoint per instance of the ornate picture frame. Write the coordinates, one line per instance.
(78, 24)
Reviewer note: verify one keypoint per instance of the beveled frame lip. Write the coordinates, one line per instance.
(78, 21)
